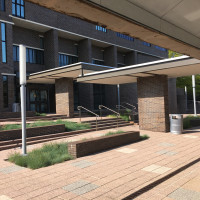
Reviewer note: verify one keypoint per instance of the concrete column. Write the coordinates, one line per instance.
(153, 103)
(131, 58)
(64, 96)
(110, 59)
(51, 49)
(128, 92)
(86, 98)
(172, 95)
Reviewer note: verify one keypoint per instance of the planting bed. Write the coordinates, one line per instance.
(89, 146)
(31, 132)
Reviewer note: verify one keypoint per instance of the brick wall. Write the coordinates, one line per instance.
(153, 103)
(64, 96)
(95, 145)
(31, 132)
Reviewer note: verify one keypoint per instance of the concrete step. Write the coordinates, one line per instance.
(45, 138)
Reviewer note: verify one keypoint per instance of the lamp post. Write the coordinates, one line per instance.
(22, 75)
(194, 95)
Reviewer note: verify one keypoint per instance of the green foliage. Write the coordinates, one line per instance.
(49, 154)
(114, 133)
(144, 137)
(69, 126)
(173, 54)
(186, 121)
(40, 114)
(124, 117)
(187, 81)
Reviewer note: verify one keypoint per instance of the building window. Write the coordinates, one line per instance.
(97, 62)
(160, 48)
(67, 59)
(3, 42)
(41, 42)
(2, 5)
(99, 28)
(15, 53)
(5, 91)
(18, 8)
(33, 56)
(126, 37)
(146, 44)
(99, 95)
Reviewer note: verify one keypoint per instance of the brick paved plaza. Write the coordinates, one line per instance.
(165, 166)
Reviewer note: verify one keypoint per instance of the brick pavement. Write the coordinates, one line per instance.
(165, 166)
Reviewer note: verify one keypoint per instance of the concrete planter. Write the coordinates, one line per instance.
(83, 148)
(7, 115)
(31, 132)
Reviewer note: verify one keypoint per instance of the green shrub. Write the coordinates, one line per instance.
(40, 114)
(114, 133)
(69, 126)
(144, 137)
(186, 121)
(49, 154)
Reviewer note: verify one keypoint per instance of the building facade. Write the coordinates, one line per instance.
(53, 39)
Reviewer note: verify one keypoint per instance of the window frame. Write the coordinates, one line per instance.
(15, 6)
(5, 82)
(3, 43)
(3, 5)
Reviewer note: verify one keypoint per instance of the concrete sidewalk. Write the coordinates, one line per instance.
(166, 166)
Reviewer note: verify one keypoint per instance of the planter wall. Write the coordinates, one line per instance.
(7, 115)
(83, 148)
(31, 132)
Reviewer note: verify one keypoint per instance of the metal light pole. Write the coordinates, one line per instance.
(22, 72)
(194, 95)
(186, 97)
(118, 93)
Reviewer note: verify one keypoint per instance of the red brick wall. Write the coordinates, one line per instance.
(153, 103)
(31, 132)
(65, 96)
(90, 146)
(5, 115)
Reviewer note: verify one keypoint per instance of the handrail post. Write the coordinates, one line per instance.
(96, 123)
(117, 120)
(80, 115)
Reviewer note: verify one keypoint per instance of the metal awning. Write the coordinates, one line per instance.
(68, 71)
(173, 67)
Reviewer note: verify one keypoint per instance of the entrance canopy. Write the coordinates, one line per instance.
(173, 67)
(68, 71)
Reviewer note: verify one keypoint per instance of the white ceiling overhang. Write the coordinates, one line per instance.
(172, 24)
(174, 67)
(68, 71)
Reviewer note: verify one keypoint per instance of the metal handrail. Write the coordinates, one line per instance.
(119, 106)
(130, 105)
(81, 107)
(102, 106)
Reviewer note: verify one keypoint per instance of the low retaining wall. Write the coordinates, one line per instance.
(31, 132)
(7, 115)
(83, 148)
(195, 122)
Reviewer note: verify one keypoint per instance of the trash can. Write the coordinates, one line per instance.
(176, 123)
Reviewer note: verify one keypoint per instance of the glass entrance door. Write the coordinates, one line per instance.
(39, 101)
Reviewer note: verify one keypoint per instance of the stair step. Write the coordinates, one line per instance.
(44, 138)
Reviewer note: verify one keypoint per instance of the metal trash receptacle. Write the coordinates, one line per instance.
(176, 123)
